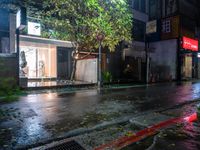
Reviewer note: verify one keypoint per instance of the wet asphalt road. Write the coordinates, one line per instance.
(37, 117)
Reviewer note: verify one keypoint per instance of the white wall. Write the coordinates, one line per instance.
(86, 70)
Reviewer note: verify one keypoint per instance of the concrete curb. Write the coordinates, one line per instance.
(76, 132)
(151, 130)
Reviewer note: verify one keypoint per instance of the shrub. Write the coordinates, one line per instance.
(107, 77)
(8, 86)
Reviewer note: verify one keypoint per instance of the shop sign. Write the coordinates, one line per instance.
(170, 28)
(21, 18)
(190, 44)
(166, 26)
(151, 27)
(34, 28)
(18, 19)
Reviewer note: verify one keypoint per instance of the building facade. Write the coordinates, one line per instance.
(161, 28)
(8, 57)
(171, 60)
(28, 58)
(134, 53)
(162, 46)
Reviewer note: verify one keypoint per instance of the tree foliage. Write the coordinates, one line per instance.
(81, 20)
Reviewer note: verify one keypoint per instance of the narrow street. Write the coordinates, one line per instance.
(100, 74)
(41, 117)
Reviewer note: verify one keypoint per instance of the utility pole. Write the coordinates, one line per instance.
(21, 22)
(147, 59)
(151, 28)
(18, 51)
(100, 38)
(99, 67)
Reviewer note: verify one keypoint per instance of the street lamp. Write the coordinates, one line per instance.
(100, 37)
(21, 22)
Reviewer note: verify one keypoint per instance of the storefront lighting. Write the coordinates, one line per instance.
(190, 44)
(76, 56)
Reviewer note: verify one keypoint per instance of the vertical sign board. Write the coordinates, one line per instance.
(21, 18)
(151, 27)
(18, 19)
(190, 44)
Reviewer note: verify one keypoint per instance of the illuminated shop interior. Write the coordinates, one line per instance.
(40, 60)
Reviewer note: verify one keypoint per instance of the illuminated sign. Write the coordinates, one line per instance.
(18, 19)
(21, 18)
(190, 44)
(34, 28)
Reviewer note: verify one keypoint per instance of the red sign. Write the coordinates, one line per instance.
(190, 44)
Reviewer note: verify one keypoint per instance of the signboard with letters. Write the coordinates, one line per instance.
(21, 18)
(34, 28)
(170, 27)
(151, 27)
(190, 44)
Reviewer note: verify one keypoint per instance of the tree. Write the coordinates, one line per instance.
(81, 20)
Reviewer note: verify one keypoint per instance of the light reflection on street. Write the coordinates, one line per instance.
(50, 114)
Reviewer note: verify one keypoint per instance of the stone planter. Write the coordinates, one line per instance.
(23, 82)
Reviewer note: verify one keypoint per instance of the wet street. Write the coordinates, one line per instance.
(41, 117)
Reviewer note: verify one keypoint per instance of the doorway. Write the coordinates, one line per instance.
(187, 66)
(64, 63)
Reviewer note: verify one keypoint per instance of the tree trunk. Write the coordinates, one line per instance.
(73, 69)
(74, 62)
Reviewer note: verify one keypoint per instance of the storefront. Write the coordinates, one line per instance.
(40, 58)
(44, 59)
(189, 58)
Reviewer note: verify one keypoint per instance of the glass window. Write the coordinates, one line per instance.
(139, 30)
(171, 7)
(4, 31)
(136, 4)
(154, 9)
(143, 6)
(166, 26)
(40, 60)
(139, 5)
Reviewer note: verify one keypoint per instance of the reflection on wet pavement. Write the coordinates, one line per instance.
(41, 116)
(185, 137)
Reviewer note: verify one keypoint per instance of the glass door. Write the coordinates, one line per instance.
(40, 60)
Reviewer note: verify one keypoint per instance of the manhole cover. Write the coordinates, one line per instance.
(70, 145)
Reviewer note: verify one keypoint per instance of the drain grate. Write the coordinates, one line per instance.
(70, 145)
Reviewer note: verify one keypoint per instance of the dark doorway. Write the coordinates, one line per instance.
(64, 63)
